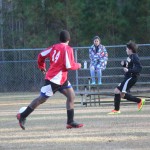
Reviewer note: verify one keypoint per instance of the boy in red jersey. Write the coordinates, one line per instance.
(61, 60)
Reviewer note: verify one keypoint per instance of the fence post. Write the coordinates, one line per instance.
(76, 59)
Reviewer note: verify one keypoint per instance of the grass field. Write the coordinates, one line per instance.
(46, 126)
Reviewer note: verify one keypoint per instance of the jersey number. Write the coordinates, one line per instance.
(55, 56)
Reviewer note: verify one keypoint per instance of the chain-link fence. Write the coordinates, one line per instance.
(19, 71)
(114, 71)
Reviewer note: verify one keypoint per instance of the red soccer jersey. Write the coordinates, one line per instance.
(61, 59)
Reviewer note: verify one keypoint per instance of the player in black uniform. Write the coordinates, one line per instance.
(132, 68)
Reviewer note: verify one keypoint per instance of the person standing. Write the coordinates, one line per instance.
(98, 59)
(132, 68)
(61, 60)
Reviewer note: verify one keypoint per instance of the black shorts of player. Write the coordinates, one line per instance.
(50, 88)
(127, 83)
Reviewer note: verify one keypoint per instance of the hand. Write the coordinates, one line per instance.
(79, 65)
(122, 62)
(43, 71)
(125, 69)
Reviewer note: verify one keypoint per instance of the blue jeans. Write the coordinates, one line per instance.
(93, 71)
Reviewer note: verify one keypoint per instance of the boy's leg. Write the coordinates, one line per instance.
(35, 103)
(123, 87)
(129, 97)
(117, 99)
(130, 82)
(69, 93)
(140, 102)
(46, 91)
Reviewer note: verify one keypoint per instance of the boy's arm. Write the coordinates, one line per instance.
(123, 63)
(41, 59)
(137, 68)
(69, 60)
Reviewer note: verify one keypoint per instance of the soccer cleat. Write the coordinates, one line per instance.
(140, 105)
(74, 125)
(21, 121)
(114, 112)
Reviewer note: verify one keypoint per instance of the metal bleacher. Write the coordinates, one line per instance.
(111, 77)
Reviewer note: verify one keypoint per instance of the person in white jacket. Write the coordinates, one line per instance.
(98, 59)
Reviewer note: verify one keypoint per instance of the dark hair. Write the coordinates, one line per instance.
(64, 36)
(132, 46)
(96, 37)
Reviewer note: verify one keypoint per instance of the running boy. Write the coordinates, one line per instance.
(61, 60)
(132, 68)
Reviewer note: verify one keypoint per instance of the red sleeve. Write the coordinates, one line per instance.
(42, 56)
(70, 62)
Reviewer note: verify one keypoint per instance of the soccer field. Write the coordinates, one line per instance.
(46, 126)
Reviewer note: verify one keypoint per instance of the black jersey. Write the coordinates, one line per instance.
(134, 65)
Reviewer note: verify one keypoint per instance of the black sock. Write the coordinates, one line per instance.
(70, 115)
(27, 112)
(132, 98)
(117, 101)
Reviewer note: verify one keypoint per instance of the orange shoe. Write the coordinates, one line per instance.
(140, 104)
(114, 112)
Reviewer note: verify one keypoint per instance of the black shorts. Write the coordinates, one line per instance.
(50, 88)
(127, 83)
